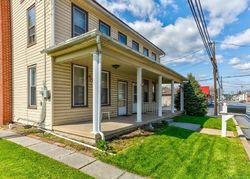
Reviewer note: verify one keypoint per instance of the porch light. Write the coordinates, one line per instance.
(115, 66)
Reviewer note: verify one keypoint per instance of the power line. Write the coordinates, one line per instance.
(233, 44)
(187, 55)
(233, 76)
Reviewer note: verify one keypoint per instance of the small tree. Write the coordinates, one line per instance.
(195, 103)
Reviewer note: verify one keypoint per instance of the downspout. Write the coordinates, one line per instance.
(52, 23)
(52, 43)
(99, 49)
(44, 91)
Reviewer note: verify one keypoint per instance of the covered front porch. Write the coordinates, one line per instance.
(111, 128)
(132, 88)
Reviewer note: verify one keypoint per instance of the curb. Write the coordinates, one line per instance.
(243, 138)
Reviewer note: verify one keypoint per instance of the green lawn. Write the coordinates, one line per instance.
(178, 153)
(19, 162)
(206, 122)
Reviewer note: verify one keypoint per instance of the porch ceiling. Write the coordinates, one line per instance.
(83, 46)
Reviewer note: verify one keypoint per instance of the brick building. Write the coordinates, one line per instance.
(5, 63)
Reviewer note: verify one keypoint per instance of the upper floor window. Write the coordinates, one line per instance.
(79, 21)
(104, 28)
(145, 51)
(122, 38)
(32, 86)
(153, 56)
(135, 46)
(31, 14)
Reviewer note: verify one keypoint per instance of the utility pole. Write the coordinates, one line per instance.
(215, 78)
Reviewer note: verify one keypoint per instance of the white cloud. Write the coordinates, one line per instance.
(243, 66)
(219, 58)
(223, 12)
(234, 61)
(139, 8)
(173, 39)
(181, 37)
(242, 38)
(237, 64)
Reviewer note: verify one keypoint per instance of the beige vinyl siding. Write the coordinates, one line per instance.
(24, 56)
(64, 112)
(63, 24)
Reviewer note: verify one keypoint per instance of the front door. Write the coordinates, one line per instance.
(134, 98)
(122, 98)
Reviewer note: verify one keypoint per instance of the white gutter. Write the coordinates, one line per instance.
(52, 23)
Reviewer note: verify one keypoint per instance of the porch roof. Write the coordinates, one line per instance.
(88, 42)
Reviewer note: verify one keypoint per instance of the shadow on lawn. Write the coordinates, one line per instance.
(175, 132)
(193, 119)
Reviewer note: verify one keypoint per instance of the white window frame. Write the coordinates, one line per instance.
(108, 86)
(74, 7)
(30, 35)
(85, 85)
(30, 86)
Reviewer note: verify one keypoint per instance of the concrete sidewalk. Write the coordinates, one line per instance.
(189, 126)
(244, 124)
(74, 159)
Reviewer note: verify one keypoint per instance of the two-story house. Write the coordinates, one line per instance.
(76, 64)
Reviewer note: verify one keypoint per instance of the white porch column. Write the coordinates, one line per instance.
(99, 91)
(172, 96)
(95, 92)
(182, 97)
(160, 96)
(139, 94)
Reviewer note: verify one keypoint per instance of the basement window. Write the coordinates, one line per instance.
(31, 15)
(79, 86)
(32, 86)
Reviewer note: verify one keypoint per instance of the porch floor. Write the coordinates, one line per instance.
(113, 127)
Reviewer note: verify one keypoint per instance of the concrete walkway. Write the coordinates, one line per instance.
(74, 159)
(189, 126)
(215, 132)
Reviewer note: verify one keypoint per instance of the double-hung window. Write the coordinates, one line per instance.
(146, 89)
(79, 21)
(104, 28)
(145, 51)
(79, 86)
(135, 46)
(154, 92)
(122, 38)
(105, 88)
(31, 14)
(32, 86)
(153, 56)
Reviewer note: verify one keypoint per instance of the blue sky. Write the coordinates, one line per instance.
(170, 25)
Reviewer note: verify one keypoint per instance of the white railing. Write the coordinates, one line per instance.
(150, 107)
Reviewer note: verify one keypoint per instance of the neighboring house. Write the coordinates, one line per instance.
(167, 95)
(74, 62)
(243, 97)
(206, 91)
